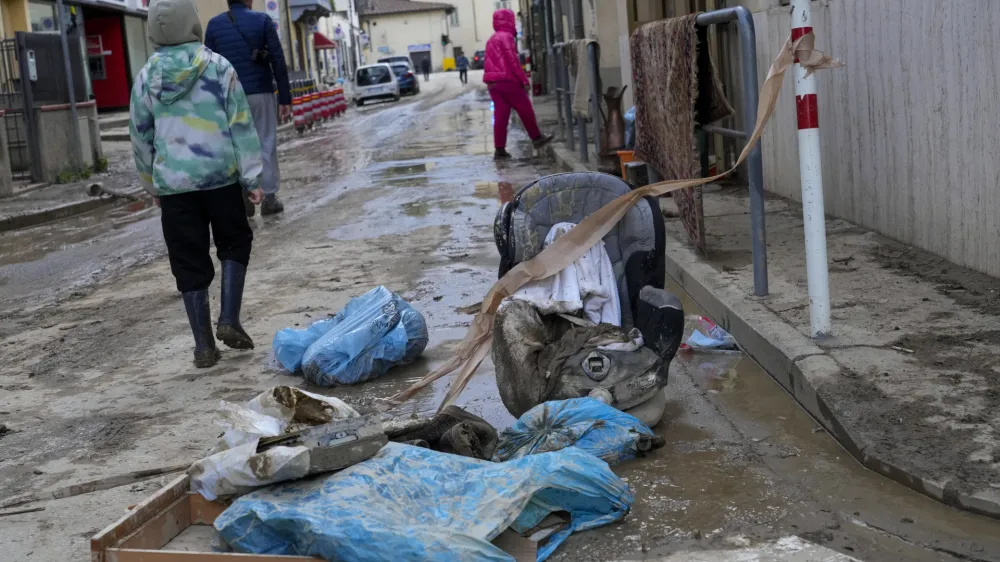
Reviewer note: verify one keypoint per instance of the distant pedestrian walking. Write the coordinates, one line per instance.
(197, 152)
(462, 64)
(248, 40)
(425, 67)
(508, 84)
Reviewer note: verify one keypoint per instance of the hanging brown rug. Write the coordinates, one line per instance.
(676, 87)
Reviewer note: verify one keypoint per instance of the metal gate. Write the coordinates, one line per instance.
(12, 105)
(37, 56)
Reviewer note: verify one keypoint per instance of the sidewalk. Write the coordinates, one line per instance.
(54, 202)
(909, 383)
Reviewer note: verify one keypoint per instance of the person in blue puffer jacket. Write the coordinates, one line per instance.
(249, 41)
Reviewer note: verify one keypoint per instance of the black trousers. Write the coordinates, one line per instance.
(463, 75)
(186, 220)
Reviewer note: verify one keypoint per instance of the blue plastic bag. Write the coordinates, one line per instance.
(582, 423)
(630, 128)
(373, 333)
(290, 344)
(409, 503)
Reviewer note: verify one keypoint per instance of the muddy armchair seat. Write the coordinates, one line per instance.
(544, 357)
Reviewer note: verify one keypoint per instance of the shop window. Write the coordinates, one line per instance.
(95, 57)
(43, 17)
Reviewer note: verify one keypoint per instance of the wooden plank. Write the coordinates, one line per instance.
(204, 512)
(128, 555)
(135, 518)
(161, 528)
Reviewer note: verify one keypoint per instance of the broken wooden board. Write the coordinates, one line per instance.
(142, 533)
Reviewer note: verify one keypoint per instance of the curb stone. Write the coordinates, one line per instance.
(795, 362)
(803, 370)
(26, 220)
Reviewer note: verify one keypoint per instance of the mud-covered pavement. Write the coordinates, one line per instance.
(96, 376)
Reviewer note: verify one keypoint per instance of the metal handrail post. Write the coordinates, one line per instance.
(568, 104)
(594, 54)
(755, 169)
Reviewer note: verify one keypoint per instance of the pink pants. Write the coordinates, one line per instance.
(507, 95)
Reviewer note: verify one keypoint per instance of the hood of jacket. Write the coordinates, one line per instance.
(173, 22)
(505, 20)
(174, 70)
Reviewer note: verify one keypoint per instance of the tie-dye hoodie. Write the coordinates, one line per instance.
(190, 123)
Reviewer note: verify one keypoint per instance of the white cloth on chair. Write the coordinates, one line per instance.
(587, 284)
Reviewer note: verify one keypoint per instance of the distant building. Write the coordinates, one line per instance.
(419, 30)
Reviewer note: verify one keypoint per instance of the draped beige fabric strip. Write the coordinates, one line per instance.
(568, 248)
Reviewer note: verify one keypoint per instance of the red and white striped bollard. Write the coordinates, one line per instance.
(811, 172)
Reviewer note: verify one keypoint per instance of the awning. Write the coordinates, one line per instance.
(304, 10)
(321, 41)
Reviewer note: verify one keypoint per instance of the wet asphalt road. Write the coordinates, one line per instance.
(743, 464)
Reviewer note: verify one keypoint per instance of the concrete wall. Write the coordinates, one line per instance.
(57, 152)
(475, 25)
(398, 32)
(909, 133)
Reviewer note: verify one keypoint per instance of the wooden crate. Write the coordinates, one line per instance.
(140, 535)
(151, 525)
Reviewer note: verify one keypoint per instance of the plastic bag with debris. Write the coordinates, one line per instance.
(373, 333)
(630, 128)
(290, 344)
(584, 423)
(701, 333)
(410, 503)
(235, 466)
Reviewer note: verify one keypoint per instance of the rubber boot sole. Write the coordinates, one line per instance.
(207, 359)
(232, 337)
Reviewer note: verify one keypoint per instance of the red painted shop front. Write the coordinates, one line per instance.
(106, 59)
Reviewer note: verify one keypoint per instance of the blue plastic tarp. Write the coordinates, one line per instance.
(584, 423)
(410, 503)
(373, 333)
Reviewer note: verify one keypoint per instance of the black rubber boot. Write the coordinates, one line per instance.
(271, 205)
(200, 318)
(229, 331)
(501, 154)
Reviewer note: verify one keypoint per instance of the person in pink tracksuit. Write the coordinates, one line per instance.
(508, 84)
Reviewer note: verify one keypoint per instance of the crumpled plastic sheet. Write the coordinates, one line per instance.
(235, 467)
(409, 503)
(373, 333)
(582, 423)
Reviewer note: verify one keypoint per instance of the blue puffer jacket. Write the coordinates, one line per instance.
(258, 28)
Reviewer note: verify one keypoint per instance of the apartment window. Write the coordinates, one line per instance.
(502, 4)
(43, 17)
(453, 19)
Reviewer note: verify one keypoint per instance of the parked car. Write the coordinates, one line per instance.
(375, 82)
(398, 59)
(408, 83)
(478, 60)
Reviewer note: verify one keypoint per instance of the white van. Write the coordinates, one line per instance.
(375, 82)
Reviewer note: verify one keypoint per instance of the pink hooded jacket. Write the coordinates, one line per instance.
(502, 62)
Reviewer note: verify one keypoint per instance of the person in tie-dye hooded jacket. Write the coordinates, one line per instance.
(196, 151)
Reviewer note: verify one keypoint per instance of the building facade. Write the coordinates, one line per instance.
(112, 35)
(419, 30)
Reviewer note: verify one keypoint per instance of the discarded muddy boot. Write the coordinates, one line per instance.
(200, 318)
(229, 331)
(271, 205)
(542, 140)
(452, 430)
(501, 154)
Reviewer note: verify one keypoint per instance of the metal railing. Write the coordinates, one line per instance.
(755, 170)
(565, 95)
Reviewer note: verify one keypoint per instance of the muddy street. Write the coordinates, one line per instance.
(96, 377)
